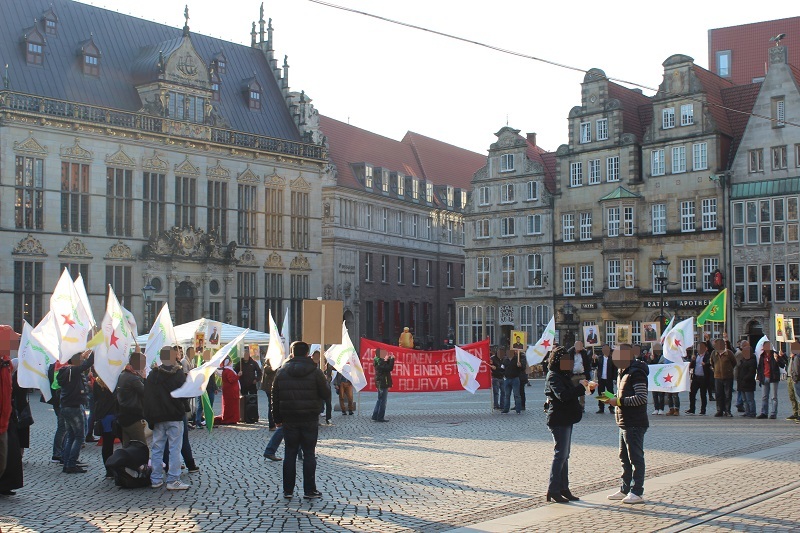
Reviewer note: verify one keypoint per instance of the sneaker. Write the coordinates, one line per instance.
(157, 485)
(702, 413)
(773, 417)
(288, 495)
(656, 412)
(312, 495)
(273, 457)
(762, 416)
(688, 412)
(792, 417)
(632, 498)
(728, 414)
(350, 412)
(194, 469)
(328, 422)
(619, 495)
(177, 485)
(73, 470)
(56, 460)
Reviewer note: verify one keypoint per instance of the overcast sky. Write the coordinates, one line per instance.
(390, 79)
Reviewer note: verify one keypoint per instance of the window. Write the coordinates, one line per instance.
(429, 228)
(688, 275)
(568, 280)
(613, 274)
(612, 168)
(119, 277)
(450, 226)
(50, 26)
(483, 196)
(534, 270)
(449, 272)
(429, 192)
(254, 102)
(186, 107)
(119, 202)
(602, 129)
(415, 226)
(75, 197)
(415, 272)
(724, 63)
(482, 272)
(779, 158)
(794, 282)
(587, 280)
(300, 221)
(368, 217)
(34, 55)
(29, 195)
(594, 171)
(507, 227)
(91, 65)
(678, 159)
(543, 315)
(575, 174)
(526, 322)
(399, 224)
(568, 227)
(700, 156)
(668, 118)
(797, 155)
(273, 295)
(28, 293)
(477, 323)
(415, 190)
(629, 273)
(507, 163)
(384, 268)
(612, 219)
(757, 160)
(429, 274)
(508, 270)
(533, 187)
(780, 283)
(659, 219)
(482, 229)
(687, 114)
(247, 211)
(401, 267)
(709, 207)
(586, 132)
(367, 266)
(273, 209)
(385, 220)
(534, 224)
(298, 291)
(154, 205)
(463, 325)
(778, 112)
(401, 185)
(710, 264)
(657, 164)
(215, 90)
(185, 201)
(586, 226)
(687, 216)
(627, 221)
(506, 193)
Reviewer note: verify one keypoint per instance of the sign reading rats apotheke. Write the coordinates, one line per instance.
(677, 303)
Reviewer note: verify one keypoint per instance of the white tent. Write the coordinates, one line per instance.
(185, 334)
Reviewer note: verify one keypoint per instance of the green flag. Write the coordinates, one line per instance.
(715, 310)
(208, 411)
(234, 355)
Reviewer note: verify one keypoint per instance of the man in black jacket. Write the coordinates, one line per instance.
(164, 415)
(512, 369)
(249, 374)
(582, 368)
(606, 375)
(497, 381)
(72, 381)
(130, 395)
(700, 367)
(298, 391)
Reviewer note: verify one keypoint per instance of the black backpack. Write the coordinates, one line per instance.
(129, 466)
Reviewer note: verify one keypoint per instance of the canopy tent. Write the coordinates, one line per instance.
(185, 334)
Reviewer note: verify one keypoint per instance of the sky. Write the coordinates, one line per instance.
(390, 79)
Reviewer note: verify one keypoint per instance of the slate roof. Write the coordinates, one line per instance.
(124, 41)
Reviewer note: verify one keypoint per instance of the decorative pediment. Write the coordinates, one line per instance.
(248, 176)
(184, 65)
(186, 168)
(121, 251)
(76, 152)
(30, 146)
(218, 172)
(274, 180)
(29, 246)
(193, 244)
(274, 261)
(120, 159)
(75, 249)
(300, 183)
(300, 263)
(155, 164)
(247, 258)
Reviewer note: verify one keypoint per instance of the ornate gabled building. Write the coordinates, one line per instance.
(393, 232)
(133, 153)
(509, 252)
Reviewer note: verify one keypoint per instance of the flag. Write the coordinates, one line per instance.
(672, 377)
(715, 310)
(197, 379)
(208, 411)
(80, 287)
(535, 354)
(344, 359)
(468, 368)
(131, 321)
(669, 325)
(760, 347)
(161, 334)
(72, 320)
(34, 361)
(678, 339)
(46, 335)
(286, 336)
(276, 351)
(234, 355)
(112, 353)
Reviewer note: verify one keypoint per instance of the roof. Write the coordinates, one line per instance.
(619, 193)
(636, 109)
(442, 163)
(758, 189)
(546, 159)
(128, 43)
(739, 101)
(713, 86)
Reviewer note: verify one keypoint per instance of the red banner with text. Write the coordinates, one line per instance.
(424, 370)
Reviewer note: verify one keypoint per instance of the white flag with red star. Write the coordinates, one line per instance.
(35, 358)
(72, 321)
(673, 377)
(112, 352)
(678, 340)
(535, 354)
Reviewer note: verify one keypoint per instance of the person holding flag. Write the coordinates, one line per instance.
(72, 382)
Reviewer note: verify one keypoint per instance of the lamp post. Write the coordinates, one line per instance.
(245, 315)
(147, 293)
(661, 269)
(569, 311)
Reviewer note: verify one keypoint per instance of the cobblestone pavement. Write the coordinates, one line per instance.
(443, 461)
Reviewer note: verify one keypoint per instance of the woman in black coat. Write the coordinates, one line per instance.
(563, 411)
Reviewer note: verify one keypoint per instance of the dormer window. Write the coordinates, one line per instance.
(34, 47)
(253, 93)
(401, 185)
(90, 58)
(50, 27)
(255, 99)
(50, 21)
(215, 91)
(429, 192)
(220, 63)
(368, 176)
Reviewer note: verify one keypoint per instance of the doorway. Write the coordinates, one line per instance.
(754, 333)
(184, 303)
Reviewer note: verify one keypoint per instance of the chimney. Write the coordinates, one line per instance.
(532, 138)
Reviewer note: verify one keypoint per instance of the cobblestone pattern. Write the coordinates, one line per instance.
(443, 461)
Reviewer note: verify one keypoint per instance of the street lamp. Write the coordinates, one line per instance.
(245, 314)
(661, 269)
(148, 291)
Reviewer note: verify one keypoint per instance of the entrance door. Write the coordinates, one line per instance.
(754, 333)
(184, 303)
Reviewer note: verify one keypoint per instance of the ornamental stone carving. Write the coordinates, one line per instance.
(274, 261)
(274, 180)
(533, 167)
(75, 248)
(76, 152)
(189, 244)
(120, 251)
(120, 159)
(300, 183)
(248, 176)
(247, 258)
(186, 168)
(155, 164)
(300, 263)
(506, 315)
(30, 146)
(29, 246)
(327, 292)
(218, 172)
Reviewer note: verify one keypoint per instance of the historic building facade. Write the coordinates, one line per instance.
(136, 153)
(393, 232)
(509, 252)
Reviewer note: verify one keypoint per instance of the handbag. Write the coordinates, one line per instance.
(25, 417)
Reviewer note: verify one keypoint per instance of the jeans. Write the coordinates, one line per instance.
(380, 406)
(559, 471)
(274, 442)
(724, 388)
(511, 386)
(186, 448)
(61, 433)
(739, 398)
(673, 400)
(269, 411)
(769, 390)
(74, 425)
(658, 401)
(498, 393)
(749, 401)
(199, 415)
(166, 435)
(301, 435)
(631, 454)
(699, 383)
